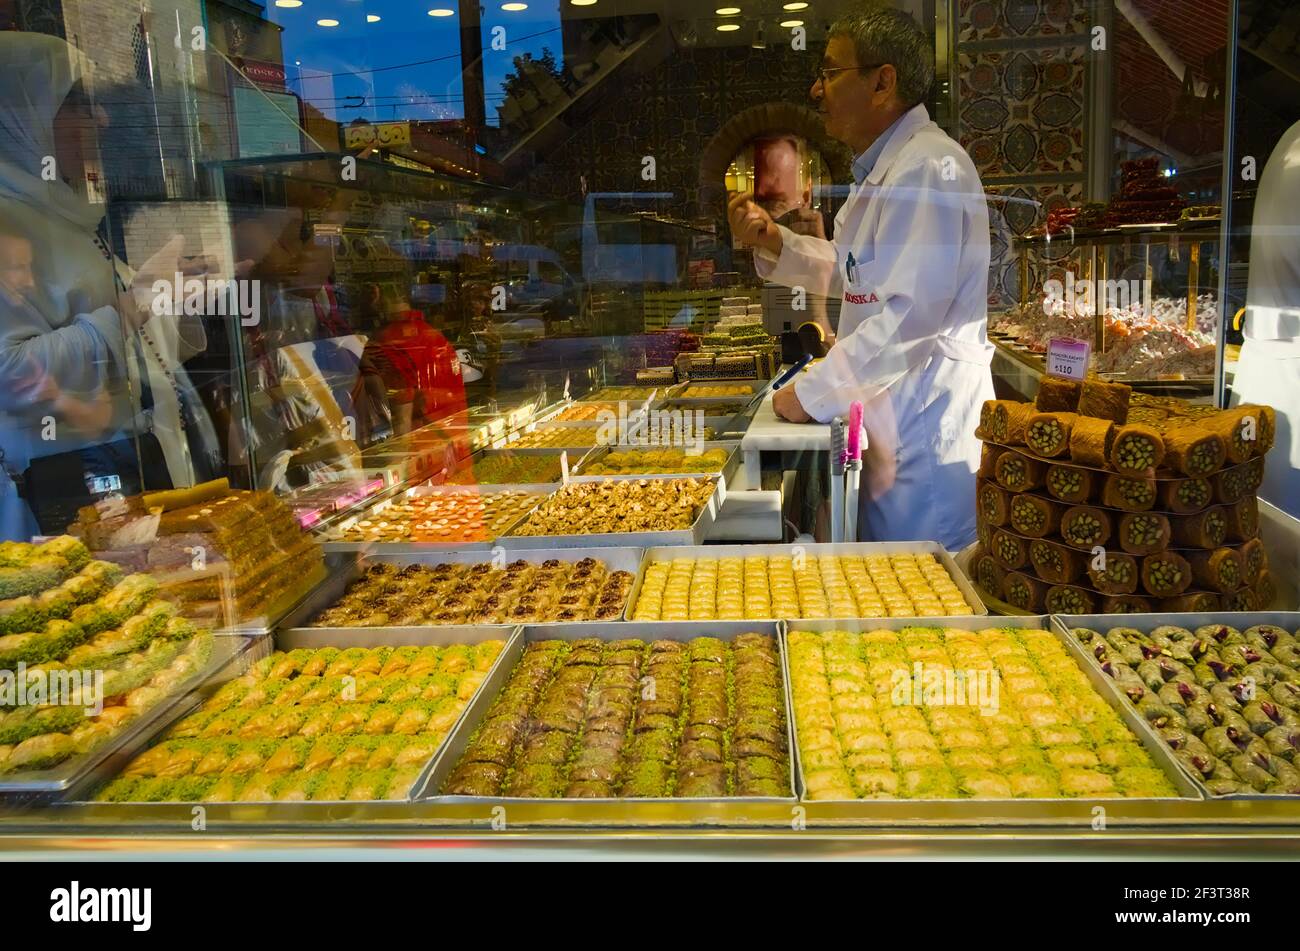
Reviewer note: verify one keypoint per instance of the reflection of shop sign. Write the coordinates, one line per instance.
(264, 74)
(382, 135)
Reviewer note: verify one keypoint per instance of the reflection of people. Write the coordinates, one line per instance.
(1269, 369)
(776, 176)
(75, 340)
(910, 261)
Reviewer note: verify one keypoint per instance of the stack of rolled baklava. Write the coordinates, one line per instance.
(1095, 499)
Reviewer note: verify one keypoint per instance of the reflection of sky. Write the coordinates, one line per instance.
(327, 64)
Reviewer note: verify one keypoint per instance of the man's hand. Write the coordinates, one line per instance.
(163, 265)
(752, 225)
(785, 402)
(809, 222)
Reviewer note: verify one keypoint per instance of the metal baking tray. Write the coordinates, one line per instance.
(333, 542)
(694, 535)
(727, 470)
(466, 465)
(346, 568)
(753, 387)
(984, 812)
(302, 811)
(1065, 623)
(964, 584)
(647, 811)
(42, 784)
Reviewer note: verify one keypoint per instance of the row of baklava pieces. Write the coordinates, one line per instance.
(968, 777)
(411, 660)
(603, 597)
(376, 589)
(544, 755)
(412, 578)
(284, 692)
(224, 756)
(491, 608)
(408, 718)
(831, 570)
(942, 597)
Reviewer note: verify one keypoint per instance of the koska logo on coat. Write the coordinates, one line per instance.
(862, 298)
(77, 904)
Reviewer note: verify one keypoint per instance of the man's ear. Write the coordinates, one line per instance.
(887, 80)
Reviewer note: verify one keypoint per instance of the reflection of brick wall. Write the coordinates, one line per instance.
(672, 113)
(1022, 109)
(149, 132)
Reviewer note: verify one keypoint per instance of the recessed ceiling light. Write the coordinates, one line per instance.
(288, 3)
(791, 24)
(372, 18)
(514, 7)
(728, 27)
(327, 22)
(727, 11)
(795, 6)
(582, 3)
(442, 12)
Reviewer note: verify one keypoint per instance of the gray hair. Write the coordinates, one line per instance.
(884, 35)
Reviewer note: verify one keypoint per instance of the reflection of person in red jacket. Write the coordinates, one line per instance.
(421, 369)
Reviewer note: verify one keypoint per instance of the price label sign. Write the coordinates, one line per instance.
(1068, 358)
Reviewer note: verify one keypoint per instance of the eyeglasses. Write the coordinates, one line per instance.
(824, 71)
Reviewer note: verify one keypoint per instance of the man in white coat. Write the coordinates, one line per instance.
(1269, 369)
(909, 261)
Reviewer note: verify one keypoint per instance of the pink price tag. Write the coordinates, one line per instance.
(1068, 358)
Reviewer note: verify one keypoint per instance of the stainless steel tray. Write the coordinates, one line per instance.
(662, 553)
(985, 812)
(236, 667)
(647, 811)
(346, 568)
(47, 783)
(727, 470)
(334, 543)
(694, 535)
(1064, 624)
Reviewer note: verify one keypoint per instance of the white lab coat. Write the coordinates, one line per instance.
(912, 342)
(1269, 369)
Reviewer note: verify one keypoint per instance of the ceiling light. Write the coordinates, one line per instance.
(791, 24)
(582, 3)
(442, 12)
(372, 18)
(514, 7)
(795, 6)
(288, 3)
(728, 27)
(727, 11)
(327, 22)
